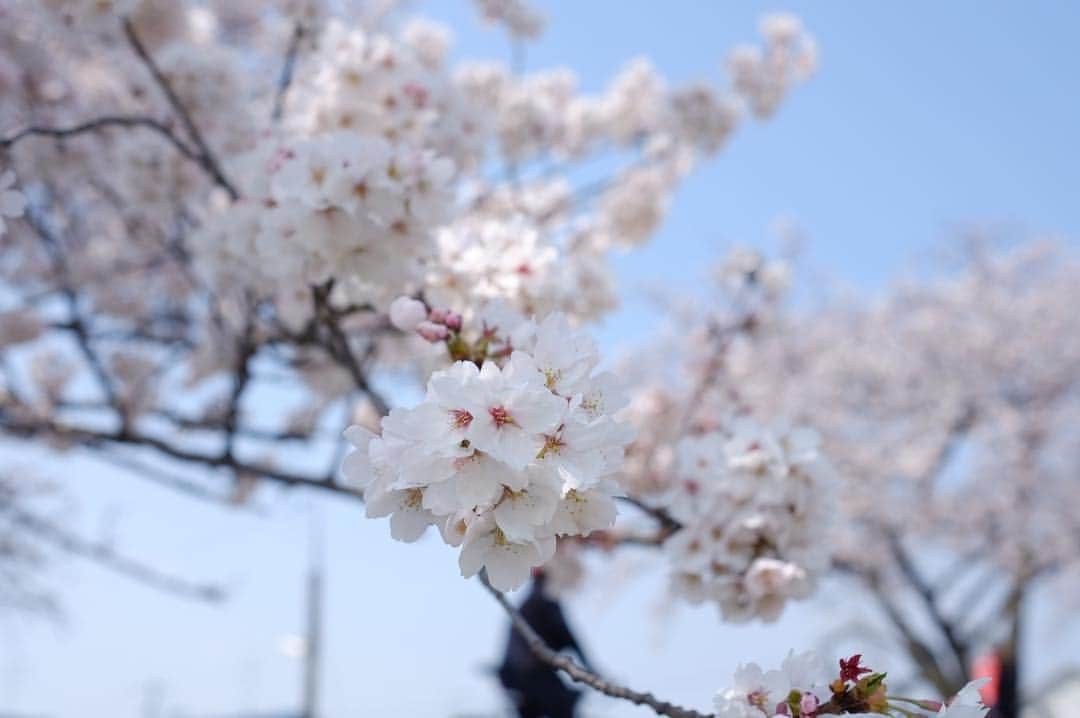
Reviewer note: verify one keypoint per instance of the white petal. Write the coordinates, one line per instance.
(509, 566)
(409, 523)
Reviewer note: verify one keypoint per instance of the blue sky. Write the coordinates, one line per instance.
(924, 115)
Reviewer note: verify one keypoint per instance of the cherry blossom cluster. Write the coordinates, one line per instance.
(431, 136)
(392, 86)
(752, 503)
(507, 237)
(513, 260)
(518, 16)
(169, 137)
(967, 382)
(763, 76)
(336, 206)
(915, 375)
(803, 688)
(282, 174)
(509, 450)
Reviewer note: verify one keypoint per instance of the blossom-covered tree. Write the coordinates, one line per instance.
(229, 227)
(947, 408)
(216, 199)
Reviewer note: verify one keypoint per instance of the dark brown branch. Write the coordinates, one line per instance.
(55, 250)
(104, 555)
(575, 671)
(661, 515)
(88, 437)
(923, 656)
(336, 345)
(204, 156)
(929, 598)
(285, 79)
(101, 123)
(667, 526)
(245, 350)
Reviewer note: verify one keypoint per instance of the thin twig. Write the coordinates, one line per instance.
(55, 249)
(917, 648)
(336, 345)
(666, 520)
(162, 478)
(245, 351)
(576, 671)
(205, 156)
(103, 554)
(101, 123)
(929, 599)
(285, 79)
(16, 426)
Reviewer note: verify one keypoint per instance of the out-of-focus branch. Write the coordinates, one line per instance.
(285, 79)
(55, 250)
(929, 600)
(101, 123)
(961, 426)
(104, 555)
(576, 671)
(204, 156)
(721, 335)
(336, 344)
(35, 427)
(245, 351)
(918, 649)
(667, 526)
(158, 476)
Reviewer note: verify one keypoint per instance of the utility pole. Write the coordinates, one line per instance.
(313, 643)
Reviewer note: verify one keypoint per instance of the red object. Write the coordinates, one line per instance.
(988, 666)
(850, 670)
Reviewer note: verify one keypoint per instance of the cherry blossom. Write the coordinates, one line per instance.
(499, 454)
(802, 689)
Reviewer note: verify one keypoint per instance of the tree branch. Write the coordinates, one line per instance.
(203, 155)
(245, 350)
(928, 664)
(88, 437)
(929, 600)
(574, 670)
(76, 323)
(101, 123)
(336, 345)
(285, 79)
(104, 555)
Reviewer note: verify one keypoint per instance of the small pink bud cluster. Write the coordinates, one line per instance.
(808, 706)
(450, 319)
(412, 315)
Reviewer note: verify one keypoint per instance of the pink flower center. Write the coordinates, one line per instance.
(500, 416)
(461, 418)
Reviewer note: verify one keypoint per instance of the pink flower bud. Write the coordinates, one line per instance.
(406, 313)
(782, 709)
(438, 315)
(453, 321)
(808, 705)
(432, 332)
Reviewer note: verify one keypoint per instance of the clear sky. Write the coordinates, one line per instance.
(924, 115)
